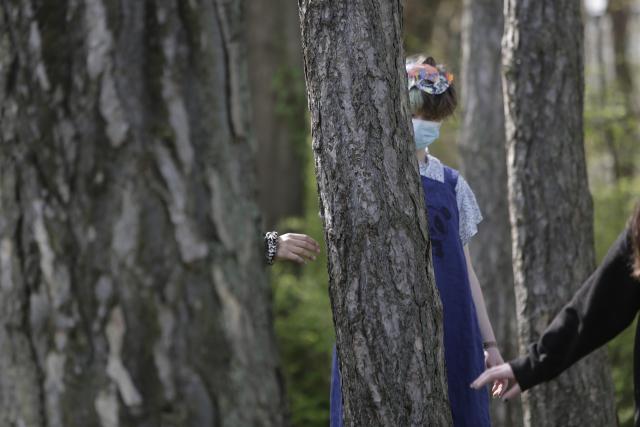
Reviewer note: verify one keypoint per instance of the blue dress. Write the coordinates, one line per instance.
(453, 216)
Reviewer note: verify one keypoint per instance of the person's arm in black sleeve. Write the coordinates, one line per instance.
(602, 308)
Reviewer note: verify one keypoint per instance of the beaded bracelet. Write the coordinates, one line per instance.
(271, 239)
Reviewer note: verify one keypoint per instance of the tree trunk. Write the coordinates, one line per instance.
(550, 205)
(621, 13)
(484, 163)
(131, 276)
(387, 311)
(419, 20)
(279, 106)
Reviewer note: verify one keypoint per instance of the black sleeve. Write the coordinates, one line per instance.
(602, 308)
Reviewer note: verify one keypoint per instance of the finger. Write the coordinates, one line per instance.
(304, 244)
(498, 389)
(513, 392)
(494, 390)
(303, 237)
(495, 387)
(485, 378)
(505, 385)
(302, 252)
(293, 257)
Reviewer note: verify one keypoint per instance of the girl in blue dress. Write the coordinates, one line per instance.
(469, 341)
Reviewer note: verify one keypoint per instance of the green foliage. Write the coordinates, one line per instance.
(291, 106)
(611, 134)
(613, 205)
(303, 321)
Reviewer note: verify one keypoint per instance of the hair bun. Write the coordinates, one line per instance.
(430, 61)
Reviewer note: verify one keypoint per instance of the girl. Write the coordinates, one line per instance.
(602, 308)
(453, 218)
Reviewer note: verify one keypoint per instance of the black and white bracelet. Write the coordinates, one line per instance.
(271, 244)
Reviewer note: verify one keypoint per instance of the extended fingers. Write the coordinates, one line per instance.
(305, 245)
(302, 252)
(292, 256)
(305, 241)
(499, 388)
(513, 392)
(485, 378)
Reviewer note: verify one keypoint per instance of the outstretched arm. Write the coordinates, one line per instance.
(492, 353)
(602, 308)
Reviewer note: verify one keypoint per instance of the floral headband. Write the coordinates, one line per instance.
(429, 79)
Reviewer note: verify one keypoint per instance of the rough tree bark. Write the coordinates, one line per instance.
(387, 311)
(132, 287)
(484, 163)
(550, 206)
(279, 106)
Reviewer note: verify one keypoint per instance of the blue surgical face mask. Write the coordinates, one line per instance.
(425, 132)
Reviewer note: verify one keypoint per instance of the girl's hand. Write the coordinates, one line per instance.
(492, 357)
(496, 374)
(298, 248)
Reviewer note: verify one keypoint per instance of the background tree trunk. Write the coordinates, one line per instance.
(419, 20)
(132, 283)
(484, 163)
(387, 311)
(621, 12)
(279, 106)
(550, 206)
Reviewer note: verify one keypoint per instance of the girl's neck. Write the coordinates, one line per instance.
(422, 156)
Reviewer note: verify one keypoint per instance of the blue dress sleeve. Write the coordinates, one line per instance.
(469, 211)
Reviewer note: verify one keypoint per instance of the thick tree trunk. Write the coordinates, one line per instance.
(279, 106)
(131, 281)
(550, 206)
(484, 163)
(387, 311)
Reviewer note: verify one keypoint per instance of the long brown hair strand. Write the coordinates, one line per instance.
(635, 241)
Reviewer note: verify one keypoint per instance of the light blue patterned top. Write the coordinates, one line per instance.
(470, 215)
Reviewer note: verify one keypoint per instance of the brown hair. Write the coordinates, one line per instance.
(433, 107)
(635, 241)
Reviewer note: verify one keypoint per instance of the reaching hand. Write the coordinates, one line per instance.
(492, 357)
(498, 373)
(299, 248)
